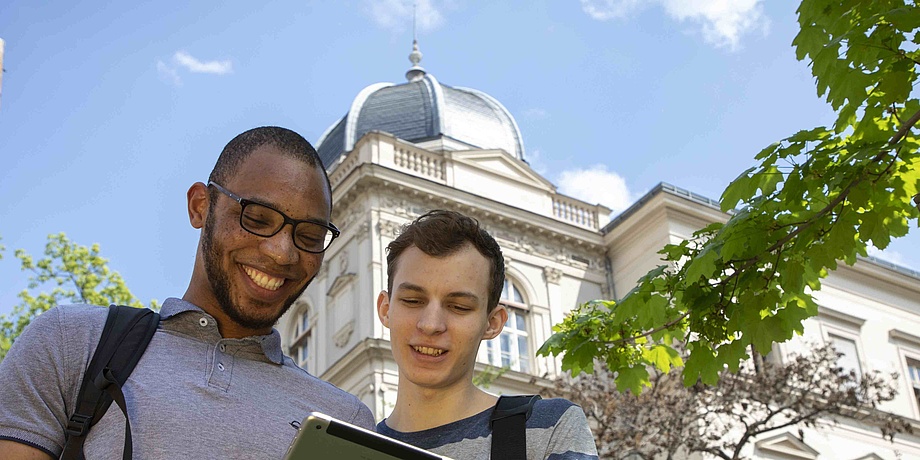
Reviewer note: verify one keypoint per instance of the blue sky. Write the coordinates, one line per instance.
(110, 110)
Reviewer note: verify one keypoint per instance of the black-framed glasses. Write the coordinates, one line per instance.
(265, 221)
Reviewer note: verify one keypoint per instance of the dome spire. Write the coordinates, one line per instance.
(416, 72)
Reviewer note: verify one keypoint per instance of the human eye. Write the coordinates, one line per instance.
(311, 234)
(460, 308)
(410, 301)
(258, 217)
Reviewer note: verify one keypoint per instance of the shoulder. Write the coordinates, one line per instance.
(562, 425)
(548, 412)
(69, 323)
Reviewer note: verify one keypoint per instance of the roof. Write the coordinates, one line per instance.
(423, 109)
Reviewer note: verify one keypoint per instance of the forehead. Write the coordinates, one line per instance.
(288, 184)
(462, 270)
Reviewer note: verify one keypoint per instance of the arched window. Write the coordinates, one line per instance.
(300, 349)
(511, 349)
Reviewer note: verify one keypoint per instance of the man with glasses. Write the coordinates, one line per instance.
(213, 383)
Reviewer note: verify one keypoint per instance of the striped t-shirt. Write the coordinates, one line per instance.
(556, 430)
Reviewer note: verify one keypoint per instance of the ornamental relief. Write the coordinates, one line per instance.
(348, 216)
(552, 275)
(343, 335)
(388, 228)
(404, 208)
(363, 230)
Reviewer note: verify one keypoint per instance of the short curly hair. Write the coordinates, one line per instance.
(440, 233)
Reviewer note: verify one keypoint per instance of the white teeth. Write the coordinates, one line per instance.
(264, 280)
(429, 351)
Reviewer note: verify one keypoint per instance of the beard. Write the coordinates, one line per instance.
(220, 287)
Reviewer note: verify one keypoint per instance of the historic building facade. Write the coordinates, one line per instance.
(403, 149)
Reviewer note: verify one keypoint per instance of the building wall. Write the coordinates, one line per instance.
(558, 257)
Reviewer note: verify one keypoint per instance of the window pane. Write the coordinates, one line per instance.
(490, 349)
(850, 358)
(506, 351)
(913, 368)
(305, 322)
(520, 322)
(517, 294)
(523, 354)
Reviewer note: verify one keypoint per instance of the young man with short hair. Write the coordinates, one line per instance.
(213, 382)
(444, 280)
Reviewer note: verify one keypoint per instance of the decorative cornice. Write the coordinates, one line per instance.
(840, 317)
(340, 282)
(402, 196)
(906, 337)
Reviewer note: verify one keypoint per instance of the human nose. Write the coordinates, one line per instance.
(431, 321)
(280, 246)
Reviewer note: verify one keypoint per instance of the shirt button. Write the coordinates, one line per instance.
(220, 366)
(223, 347)
(203, 322)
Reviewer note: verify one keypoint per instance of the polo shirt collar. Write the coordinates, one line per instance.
(271, 343)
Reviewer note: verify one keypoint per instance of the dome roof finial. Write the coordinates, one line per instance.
(416, 72)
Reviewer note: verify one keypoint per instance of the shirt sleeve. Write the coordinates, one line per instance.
(572, 438)
(364, 417)
(40, 377)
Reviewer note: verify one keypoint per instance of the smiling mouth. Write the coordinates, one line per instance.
(263, 280)
(429, 351)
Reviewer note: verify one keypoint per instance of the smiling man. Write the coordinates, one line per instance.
(213, 383)
(444, 280)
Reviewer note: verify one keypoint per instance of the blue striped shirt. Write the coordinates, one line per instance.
(556, 430)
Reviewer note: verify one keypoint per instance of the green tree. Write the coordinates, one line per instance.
(68, 273)
(817, 197)
(671, 421)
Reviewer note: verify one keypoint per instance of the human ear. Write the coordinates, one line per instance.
(497, 320)
(198, 198)
(383, 308)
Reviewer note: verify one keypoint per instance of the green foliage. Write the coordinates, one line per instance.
(489, 375)
(69, 273)
(817, 197)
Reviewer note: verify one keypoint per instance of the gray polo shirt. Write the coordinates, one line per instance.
(194, 394)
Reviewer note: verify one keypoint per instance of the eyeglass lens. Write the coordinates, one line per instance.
(264, 221)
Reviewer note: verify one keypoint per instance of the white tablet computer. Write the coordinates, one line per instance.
(321, 436)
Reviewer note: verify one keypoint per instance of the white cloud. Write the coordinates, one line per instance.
(722, 22)
(604, 10)
(168, 73)
(195, 66)
(397, 15)
(596, 185)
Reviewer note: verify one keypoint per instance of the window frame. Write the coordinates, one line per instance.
(829, 330)
(303, 337)
(493, 350)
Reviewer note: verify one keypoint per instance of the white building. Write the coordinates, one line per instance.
(403, 149)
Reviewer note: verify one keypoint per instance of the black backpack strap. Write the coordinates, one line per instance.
(509, 424)
(124, 338)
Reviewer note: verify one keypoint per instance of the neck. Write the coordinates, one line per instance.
(229, 329)
(419, 408)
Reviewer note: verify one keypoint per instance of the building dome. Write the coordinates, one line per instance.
(423, 109)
